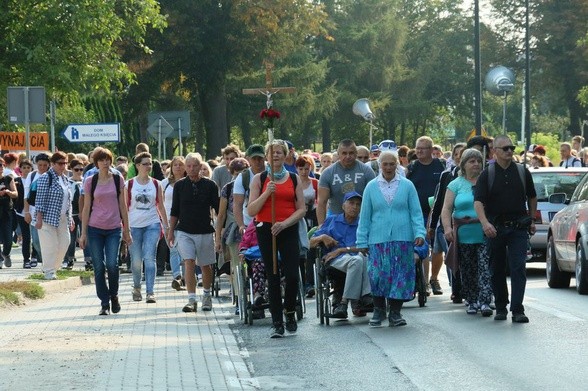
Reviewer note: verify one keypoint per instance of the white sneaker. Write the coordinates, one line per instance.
(206, 303)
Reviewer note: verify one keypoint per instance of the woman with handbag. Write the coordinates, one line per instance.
(146, 213)
(464, 230)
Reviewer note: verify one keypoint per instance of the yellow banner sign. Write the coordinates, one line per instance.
(15, 141)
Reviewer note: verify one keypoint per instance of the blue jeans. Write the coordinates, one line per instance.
(104, 245)
(36, 242)
(509, 245)
(143, 251)
(175, 262)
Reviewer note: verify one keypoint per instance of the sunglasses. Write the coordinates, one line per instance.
(507, 148)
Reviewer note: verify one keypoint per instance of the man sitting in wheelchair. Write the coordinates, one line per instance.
(338, 236)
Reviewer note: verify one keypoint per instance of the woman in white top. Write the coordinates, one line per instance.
(177, 170)
(144, 198)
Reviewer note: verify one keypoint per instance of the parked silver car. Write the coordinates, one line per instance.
(548, 181)
(567, 241)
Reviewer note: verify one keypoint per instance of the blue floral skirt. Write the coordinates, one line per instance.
(391, 270)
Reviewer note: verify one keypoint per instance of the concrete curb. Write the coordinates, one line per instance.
(56, 286)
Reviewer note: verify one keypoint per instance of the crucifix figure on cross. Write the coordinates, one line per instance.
(268, 90)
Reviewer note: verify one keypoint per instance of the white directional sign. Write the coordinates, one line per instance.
(92, 133)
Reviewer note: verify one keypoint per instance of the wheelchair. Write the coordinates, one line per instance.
(245, 294)
(329, 284)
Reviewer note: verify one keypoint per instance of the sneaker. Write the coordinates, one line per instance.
(519, 317)
(486, 310)
(26, 265)
(436, 287)
(115, 305)
(150, 298)
(70, 265)
(64, 265)
(277, 330)
(310, 292)
(137, 294)
(177, 283)
(50, 276)
(104, 311)
(237, 310)
(358, 312)
(378, 316)
(395, 319)
(340, 311)
(501, 314)
(291, 324)
(259, 301)
(258, 314)
(7, 261)
(456, 299)
(206, 303)
(199, 279)
(472, 309)
(34, 262)
(192, 306)
(88, 266)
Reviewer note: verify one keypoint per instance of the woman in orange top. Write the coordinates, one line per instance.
(289, 209)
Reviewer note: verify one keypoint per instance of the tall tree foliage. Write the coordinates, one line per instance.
(72, 48)
(207, 41)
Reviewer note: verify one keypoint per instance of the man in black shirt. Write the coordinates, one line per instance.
(425, 173)
(193, 199)
(501, 199)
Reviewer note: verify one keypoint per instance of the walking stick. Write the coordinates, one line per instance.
(270, 132)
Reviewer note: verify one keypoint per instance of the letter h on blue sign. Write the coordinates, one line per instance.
(74, 134)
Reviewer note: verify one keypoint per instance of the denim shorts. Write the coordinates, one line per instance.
(440, 244)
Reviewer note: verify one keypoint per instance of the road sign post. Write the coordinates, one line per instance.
(26, 105)
(92, 133)
(179, 121)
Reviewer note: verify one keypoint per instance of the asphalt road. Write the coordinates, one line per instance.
(441, 348)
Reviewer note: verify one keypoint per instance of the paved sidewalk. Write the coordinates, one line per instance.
(60, 342)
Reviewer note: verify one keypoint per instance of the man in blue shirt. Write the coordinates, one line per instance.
(338, 235)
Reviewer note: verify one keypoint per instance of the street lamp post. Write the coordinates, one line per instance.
(527, 79)
(477, 69)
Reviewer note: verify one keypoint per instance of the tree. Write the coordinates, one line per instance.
(208, 41)
(74, 49)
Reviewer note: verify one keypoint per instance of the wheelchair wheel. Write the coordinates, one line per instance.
(422, 299)
(301, 293)
(250, 314)
(216, 285)
(241, 294)
(299, 312)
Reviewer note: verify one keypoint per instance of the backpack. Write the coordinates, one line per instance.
(5, 201)
(95, 183)
(32, 198)
(293, 177)
(130, 185)
(561, 164)
(75, 189)
(246, 178)
(492, 175)
(19, 201)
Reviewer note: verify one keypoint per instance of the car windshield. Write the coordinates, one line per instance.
(548, 183)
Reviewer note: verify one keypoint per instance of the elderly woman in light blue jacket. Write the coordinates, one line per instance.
(390, 225)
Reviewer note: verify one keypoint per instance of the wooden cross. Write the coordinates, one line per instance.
(268, 90)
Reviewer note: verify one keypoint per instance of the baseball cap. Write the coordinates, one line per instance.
(350, 195)
(255, 150)
(290, 145)
(388, 145)
(374, 148)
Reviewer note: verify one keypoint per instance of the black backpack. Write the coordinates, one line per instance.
(19, 201)
(32, 198)
(6, 203)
